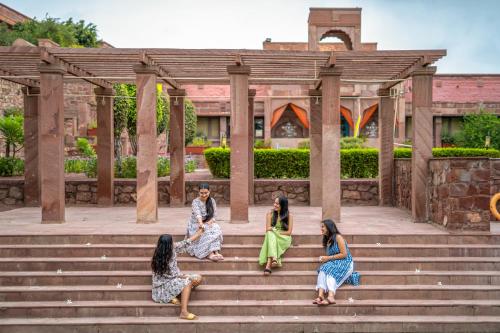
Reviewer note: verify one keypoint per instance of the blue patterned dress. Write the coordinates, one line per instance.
(342, 270)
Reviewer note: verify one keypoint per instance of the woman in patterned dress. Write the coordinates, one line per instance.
(337, 267)
(203, 216)
(168, 282)
(279, 225)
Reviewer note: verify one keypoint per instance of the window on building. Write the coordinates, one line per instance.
(208, 127)
(259, 128)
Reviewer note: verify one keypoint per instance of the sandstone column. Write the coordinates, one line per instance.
(422, 139)
(315, 138)
(177, 153)
(239, 189)
(51, 145)
(438, 128)
(251, 134)
(330, 115)
(105, 147)
(386, 152)
(147, 151)
(31, 159)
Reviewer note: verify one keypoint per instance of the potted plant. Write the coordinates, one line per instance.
(92, 128)
(198, 145)
(447, 140)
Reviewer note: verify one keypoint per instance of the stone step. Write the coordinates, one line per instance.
(252, 250)
(249, 292)
(42, 278)
(384, 307)
(252, 324)
(256, 239)
(248, 263)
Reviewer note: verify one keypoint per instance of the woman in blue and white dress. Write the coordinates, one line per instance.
(337, 267)
(203, 216)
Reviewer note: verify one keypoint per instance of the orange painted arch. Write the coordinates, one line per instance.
(302, 115)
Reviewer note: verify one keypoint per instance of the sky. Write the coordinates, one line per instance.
(469, 30)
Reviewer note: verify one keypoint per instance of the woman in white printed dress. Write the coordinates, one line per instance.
(203, 216)
(168, 281)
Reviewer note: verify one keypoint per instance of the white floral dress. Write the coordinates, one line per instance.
(211, 239)
(168, 286)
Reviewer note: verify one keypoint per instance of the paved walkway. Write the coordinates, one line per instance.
(121, 220)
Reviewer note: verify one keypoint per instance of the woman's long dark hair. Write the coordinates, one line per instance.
(283, 201)
(163, 254)
(209, 206)
(331, 236)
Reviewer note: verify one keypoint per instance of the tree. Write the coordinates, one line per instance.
(475, 129)
(190, 119)
(65, 33)
(12, 131)
(162, 112)
(121, 105)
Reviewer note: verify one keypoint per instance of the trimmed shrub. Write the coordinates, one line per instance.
(218, 161)
(402, 153)
(359, 163)
(294, 163)
(281, 163)
(11, 166)
(465, 152)
(451, 152)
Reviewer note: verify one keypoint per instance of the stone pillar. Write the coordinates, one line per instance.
(177, 152)
(422, 139)
(386, 152)
(438, 128)
(147, 151)
(31, 160)
(330, 151)
(105, 147)
(268, 115)
(239, 197)
(222, 128)
(315, 138)
(51, 144)
(251, 134)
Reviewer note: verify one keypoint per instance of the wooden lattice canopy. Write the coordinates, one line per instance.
(105, 66)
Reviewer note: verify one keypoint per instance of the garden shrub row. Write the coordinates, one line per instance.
(294, 163)
(15, 167)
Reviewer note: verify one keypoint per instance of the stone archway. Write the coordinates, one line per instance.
(340, 34)
(289, 121)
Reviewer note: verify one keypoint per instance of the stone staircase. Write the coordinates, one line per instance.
(102, 283)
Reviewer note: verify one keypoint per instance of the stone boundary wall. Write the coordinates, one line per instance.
(459, 193)
(402, 183)
(495, 176)
(362, 192)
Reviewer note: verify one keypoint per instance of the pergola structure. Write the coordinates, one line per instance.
(43, 70)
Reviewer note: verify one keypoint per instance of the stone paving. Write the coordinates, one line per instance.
(121, 220)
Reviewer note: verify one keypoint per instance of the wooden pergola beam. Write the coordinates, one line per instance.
(22, 81)
(164, 74)
(423, 61)
(48, 58)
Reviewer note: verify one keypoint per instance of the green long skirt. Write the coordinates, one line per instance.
(274, 246)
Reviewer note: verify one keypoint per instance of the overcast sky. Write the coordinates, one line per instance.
(469, 30)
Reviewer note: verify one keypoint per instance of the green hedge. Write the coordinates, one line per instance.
(451, 152)
(294, 163)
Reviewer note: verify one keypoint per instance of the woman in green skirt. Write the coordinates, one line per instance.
(279, 225)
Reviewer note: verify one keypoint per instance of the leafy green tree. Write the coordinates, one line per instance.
(65, 33)
(190, 121)
(475, 129)
(85, 34)
(12, 131)
(121, 105)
